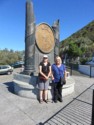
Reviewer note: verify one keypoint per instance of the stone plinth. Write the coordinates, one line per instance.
(27, 86)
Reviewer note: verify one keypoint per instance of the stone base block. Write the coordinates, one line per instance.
(27, 86)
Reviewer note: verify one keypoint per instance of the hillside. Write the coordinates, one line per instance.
(83, 36)
(80, 44)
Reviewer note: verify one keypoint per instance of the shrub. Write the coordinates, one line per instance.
(83, 60)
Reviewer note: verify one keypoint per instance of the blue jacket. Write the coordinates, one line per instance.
(58, 72)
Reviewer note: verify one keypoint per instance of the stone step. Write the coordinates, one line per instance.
(27, 86)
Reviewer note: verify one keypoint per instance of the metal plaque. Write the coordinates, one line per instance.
(45, 38)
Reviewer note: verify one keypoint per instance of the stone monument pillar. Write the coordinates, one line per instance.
(55, 28)
(45, 40)
(45, 43)
(29, 38)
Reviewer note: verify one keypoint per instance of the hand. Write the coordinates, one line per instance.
(65, 78)
(46, 77)
(52, 78)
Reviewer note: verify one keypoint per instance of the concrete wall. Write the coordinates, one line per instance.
(86, 69)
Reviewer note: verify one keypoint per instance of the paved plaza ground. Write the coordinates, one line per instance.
(76, 108)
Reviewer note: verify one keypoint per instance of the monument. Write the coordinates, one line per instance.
(55, 28)
(29, 38)
(45, 43)
(39, 40)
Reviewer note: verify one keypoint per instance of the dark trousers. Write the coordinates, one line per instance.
(57, 91)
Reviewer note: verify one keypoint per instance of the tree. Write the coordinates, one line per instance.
(74, 50)
(9, 57)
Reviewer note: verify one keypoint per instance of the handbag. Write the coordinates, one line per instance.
(62, 81)
(42, 78)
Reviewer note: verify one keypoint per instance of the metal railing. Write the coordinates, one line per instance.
(92, 119)
(74, 67)
(91, 71)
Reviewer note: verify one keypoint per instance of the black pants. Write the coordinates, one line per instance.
(57, 91)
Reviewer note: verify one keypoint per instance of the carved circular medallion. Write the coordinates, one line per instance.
(45, 38)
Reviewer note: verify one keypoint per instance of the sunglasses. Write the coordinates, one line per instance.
(45, 58)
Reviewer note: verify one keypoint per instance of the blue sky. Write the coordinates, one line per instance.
(73, 15)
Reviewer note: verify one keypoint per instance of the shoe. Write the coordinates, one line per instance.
(46, 101)
(61, 100)
(40, 101)
(55, 101)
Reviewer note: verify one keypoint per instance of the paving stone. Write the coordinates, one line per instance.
(76, 108)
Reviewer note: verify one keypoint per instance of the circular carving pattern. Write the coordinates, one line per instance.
(45, 38)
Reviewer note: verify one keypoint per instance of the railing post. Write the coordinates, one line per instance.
(90, 70)
(71, 70)
(92, 119)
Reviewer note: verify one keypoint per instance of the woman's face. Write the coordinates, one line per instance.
(45, 59)
(57, 61)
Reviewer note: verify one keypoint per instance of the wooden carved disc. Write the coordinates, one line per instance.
(45, 38)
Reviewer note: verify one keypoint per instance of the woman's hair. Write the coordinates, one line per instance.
(58, 57)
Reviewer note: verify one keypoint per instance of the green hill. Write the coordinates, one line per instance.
(84, 35)
(79, 43)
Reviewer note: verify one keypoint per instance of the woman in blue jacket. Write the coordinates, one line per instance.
(58, 72)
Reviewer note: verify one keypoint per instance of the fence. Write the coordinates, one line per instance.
(87, 69)
(92, 120)
(76, 69)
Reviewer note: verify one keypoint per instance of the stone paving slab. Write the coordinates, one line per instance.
(78, 112)
(15, 110)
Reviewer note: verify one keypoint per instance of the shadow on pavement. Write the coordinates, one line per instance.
(10, 86)
(73, 104)
(40, 123)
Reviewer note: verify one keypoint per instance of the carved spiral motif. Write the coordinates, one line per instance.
(45, 38)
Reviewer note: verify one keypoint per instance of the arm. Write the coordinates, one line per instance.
(49, 74)
(52, 74)
(65, 75)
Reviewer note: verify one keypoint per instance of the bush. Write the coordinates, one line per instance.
(83, 60)
(10, 56)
